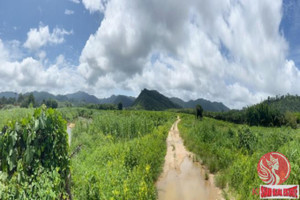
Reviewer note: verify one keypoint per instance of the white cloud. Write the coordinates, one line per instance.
(230, 51)
(75, 1)
(3, 52)
(95, 5)
(30, 74)
(69, 12)
(42, 55)
(36, 38)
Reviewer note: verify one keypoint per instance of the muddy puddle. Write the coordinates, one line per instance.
(182, 179)
(70, 126)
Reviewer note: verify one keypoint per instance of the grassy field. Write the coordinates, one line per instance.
(233, 151)
(115, 154)
(121, 154)
(13, 114)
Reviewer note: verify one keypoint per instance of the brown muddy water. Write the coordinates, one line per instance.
(183, 179)
(70, 126)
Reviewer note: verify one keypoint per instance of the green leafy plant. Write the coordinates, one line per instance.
(35, 150)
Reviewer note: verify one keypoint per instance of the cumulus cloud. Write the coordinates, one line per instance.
(95, 5)
(75, 1)
(36, 38)
(30, 74)
(230, 51)
(69, 12)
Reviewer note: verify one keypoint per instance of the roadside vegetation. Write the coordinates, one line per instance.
(232, 151)
(34, 160)
(114, 154)
(120, 154)
(263, 114)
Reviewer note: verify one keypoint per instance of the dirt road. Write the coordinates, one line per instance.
(182, 179)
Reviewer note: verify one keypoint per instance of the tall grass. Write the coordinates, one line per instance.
(233, 151)
(121, 156)
(13, 114)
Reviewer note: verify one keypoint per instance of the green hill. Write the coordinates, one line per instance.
(206, 105)
(40, 96)
(82, 97)
(153, 100)
(9, 94)
(284, 103)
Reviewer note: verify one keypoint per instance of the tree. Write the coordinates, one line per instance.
(120, 106)
(199, 111)
(31, 99)
(51, 103)
(28, 101)
(20, 98)
(3, 100)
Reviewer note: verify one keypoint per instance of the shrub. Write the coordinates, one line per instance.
(33, 151)
(290, 119)
(247, 140)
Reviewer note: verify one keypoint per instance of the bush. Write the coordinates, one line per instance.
(247, 140)
(34, 150)
(290, 119)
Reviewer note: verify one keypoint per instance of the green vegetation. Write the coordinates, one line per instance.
(275, 111)
(50, 103)
(261, 114)
(120, 154)
(199, 111)
(34, 156)
(101, 106)
(120, 106)
(232, 151)
(153, 100)
(71, 114)
(114, 154)
(284, 103)
(15, 113)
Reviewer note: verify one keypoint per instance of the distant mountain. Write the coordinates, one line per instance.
(153, 100)
(206, 105)
(40, 96)
(125, 100)
(76, 98)
(148, 100)
(109, 100)
(82, 97)
(178, 101)
(8, 94)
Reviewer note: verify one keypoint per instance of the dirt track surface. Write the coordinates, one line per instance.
(182, 179)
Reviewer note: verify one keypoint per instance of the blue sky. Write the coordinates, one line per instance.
(290, 25)
(236, 52)
(17, 17)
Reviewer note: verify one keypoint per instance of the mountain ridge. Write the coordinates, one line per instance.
(153, 100)
(80, 97)
(206, 104)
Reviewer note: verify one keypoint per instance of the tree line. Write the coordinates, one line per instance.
(27, 101)
(258, 115)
